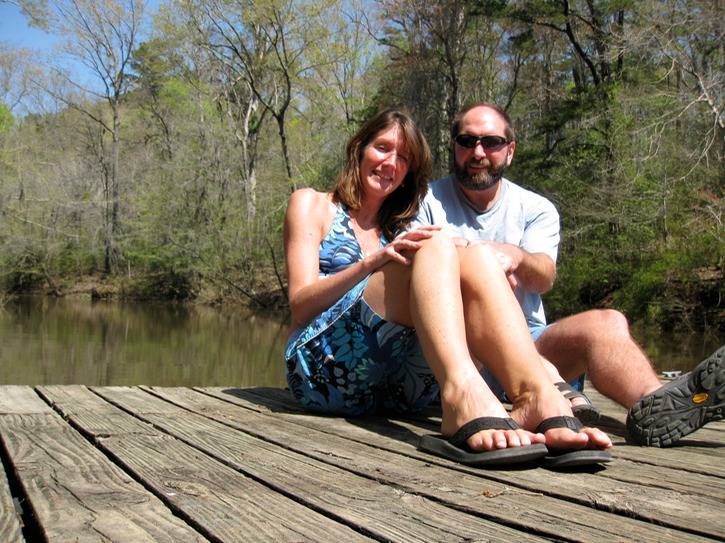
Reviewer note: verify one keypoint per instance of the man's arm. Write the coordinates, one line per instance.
(533, 256)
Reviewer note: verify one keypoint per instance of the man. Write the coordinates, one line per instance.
(477, 203)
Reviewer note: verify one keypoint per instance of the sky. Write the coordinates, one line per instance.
(15, 32)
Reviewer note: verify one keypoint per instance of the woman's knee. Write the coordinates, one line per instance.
(440, 242)
(479, 254)
(479, 261)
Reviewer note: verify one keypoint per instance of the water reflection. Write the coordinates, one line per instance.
(65, 341)
(681, 351)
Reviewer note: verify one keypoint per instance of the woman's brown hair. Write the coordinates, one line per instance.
(402, 205)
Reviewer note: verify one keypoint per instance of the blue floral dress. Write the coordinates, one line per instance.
(348, 360)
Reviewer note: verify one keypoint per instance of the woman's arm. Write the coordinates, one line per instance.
(307, 221)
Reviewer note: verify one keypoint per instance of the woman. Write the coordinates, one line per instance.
(363, 291)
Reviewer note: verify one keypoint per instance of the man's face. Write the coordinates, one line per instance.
(480, 167)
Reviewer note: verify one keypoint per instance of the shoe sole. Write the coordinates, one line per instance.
(573, 459)
(587, 413)
(681, 406)
(440, 446)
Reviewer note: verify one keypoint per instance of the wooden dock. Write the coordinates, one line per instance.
(152, 464)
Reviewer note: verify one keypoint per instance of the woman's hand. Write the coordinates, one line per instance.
(407, 241)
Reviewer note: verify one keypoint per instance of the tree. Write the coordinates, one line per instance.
(101, 35)
(343, 73)
(689, 38)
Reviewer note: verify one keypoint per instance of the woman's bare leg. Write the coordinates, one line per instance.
(427, 296)
(499, 337)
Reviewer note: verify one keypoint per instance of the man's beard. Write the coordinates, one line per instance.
(480, 181)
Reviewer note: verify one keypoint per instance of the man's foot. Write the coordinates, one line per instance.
(682, 406)
(581, 405)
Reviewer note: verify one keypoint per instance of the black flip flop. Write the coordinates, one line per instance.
(681, 406)
(457, 449)
(559, 459)
(587, 413)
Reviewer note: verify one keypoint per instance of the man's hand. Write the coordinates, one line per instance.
(534, 272)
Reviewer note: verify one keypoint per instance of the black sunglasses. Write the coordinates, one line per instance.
(488, 142)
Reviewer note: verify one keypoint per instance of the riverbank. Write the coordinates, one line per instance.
(680, 305)
(691, 301)
(265, 291)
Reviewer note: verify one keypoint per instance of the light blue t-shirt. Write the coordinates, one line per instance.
(519, 217)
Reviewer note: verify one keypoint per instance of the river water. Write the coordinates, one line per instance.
(68, 341)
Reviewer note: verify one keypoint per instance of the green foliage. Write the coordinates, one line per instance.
(644, 288)
(22, 271)
(6, 118)
(609, 119)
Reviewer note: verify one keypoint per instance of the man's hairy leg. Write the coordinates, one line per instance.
(599, 342)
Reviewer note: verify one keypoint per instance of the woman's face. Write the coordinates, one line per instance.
(384, 162)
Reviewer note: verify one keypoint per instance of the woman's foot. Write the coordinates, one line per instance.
(532, 408)
(472, 399)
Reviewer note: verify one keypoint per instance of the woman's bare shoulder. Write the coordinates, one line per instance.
(308, 200)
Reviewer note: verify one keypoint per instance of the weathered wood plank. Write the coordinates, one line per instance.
(387, 511)
(695, 455)
(11, 530)
(450, 483)
(21, 400)
(75, 492)
(702, 452)
(659, 504)
(222, 502)
(329, 478)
